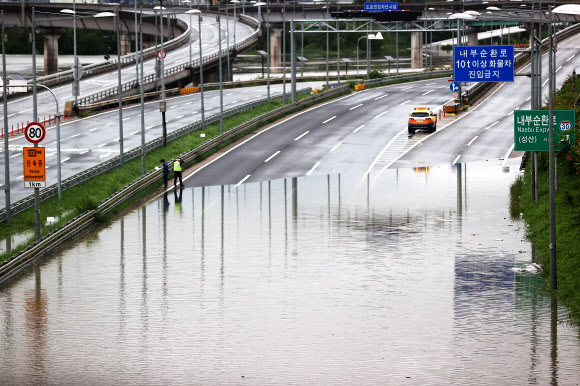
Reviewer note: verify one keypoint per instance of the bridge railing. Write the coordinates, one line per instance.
(240, 46)
(100, 67)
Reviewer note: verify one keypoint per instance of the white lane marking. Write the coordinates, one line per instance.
(246, 99)
(470, 142)
(507, 154)
(455, 160)
(570, 58)
(181, 116)
(381, 114)
(188, 103)
(546, 81)
(512, 112)
(93, 129)
(272, 156)
(358, 128)
(135, 132)
(428, 92)
(382, 151)
(208, 109)
(406, 102)
(558, 68)
(382, 96)
(11, 115)
(64, 160)
(234, 102)
(300, 136)
(229, 94)
(430, 84)
(329, 119)
(528, 98)
(357, 106)
(243, 179)
(76, 135)
(172, 107)
(84, 152)
(314, 167)
(21, 177)
(490, 126)
(337, 145)
(406, 88)
(104, 144)
(104, 155)
(108, 124)
(15, 155)
(125, 119)
(150, 127)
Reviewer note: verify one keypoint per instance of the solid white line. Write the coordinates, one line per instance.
(528, 98)
(490, 126)
(84, 152)
(381, 114)
(428, 92)
(300, 136)
(329, 119)
(470, 142)
(455, 160)
(15, 155)
(150, 127)
(64, 160)
(93, 129)
(11, 115)
(272, 156)
(382, 151)
(243, 179)
(570, 58)
(512, 112)
(406, 102)
(507, 154)
(358, 128)
(314, 167)
(352, 108)
(558, 68)
(76, 135)
(337, 145)
(382, 96)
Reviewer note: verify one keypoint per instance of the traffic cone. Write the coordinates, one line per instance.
(17, 128)
(13, 130)
(2, 134)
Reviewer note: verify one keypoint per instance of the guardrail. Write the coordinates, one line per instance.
(100, 67)
(103, 167)
(240, 46)
(18, 262)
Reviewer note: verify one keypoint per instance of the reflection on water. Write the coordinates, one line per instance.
(331, 279)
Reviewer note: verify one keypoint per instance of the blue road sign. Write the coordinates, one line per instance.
(454, 87)
(381, 6)
(483, 63)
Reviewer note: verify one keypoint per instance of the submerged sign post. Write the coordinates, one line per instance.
(381, 6)
(531, 129)
(483, 63)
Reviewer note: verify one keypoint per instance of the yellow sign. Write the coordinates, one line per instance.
(34, 167)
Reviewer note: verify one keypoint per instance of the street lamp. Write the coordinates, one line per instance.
(369, 37)
(75, 64)
(200, 64)
(259, 5)
(162, 104)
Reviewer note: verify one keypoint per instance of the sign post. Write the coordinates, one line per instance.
(531, 129)
(34, 168)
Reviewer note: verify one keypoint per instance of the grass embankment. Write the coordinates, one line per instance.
(90, 194)
(536, 214)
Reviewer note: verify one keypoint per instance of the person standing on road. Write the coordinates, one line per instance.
(177, 172)
(165, 172)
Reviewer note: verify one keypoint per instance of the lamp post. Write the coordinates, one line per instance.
(75, 59)
(6, 157)
(119, 89)
(259, 5)
(220, 71)
(263, 54)
(162, 103)
(198, 12)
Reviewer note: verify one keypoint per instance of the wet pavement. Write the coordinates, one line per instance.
(338, 279)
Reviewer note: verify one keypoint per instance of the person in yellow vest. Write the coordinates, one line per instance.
(177, 172)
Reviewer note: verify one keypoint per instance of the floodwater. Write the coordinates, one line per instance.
(402, 278)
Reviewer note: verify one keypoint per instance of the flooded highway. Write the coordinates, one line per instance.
(402, 278)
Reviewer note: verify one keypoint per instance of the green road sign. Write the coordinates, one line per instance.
(531, 129)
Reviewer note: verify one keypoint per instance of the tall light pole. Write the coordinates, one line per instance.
(6, 157)
(192, 11)
(162, 103)
(284, 55)
(259, 5)
(120, 89)
(552, 166)
(75, 89)
(220, 70)
(142, 89)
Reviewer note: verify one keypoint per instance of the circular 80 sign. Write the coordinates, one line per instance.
(34, 132)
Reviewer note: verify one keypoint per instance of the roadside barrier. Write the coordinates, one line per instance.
(15, 264)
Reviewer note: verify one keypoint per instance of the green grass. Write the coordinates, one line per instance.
(536, 215)
(89, 194)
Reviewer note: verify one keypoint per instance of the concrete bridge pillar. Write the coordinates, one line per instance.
(51, 36)
(416, 49)
(472, 36)
(125, 44)
(275, 47)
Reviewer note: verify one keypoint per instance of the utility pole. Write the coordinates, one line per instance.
(293, 59)
(162, 104)
(6, 157)
(142, 92)
(34, 118)
(120, 88)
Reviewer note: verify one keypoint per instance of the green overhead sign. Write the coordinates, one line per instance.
(531, 129)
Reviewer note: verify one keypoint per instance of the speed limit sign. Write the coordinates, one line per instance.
(34, 132)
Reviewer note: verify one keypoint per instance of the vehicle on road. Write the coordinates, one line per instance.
(422, 118)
